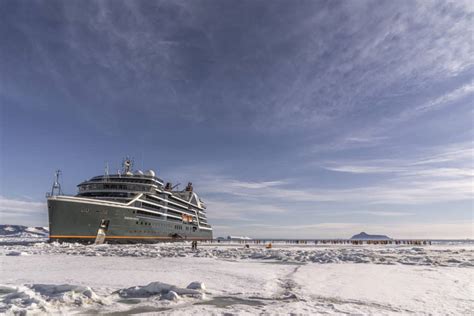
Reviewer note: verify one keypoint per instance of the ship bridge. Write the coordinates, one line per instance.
(119, 186)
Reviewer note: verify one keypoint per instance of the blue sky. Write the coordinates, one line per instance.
(298, 119)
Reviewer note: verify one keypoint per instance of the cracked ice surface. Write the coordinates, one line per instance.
(230, 279)
(437, 255)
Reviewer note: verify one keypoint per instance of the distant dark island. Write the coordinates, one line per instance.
(365, 236)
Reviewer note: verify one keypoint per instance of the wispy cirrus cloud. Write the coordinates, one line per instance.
(255, 185)
(296, 108)
(427, 230)
(8, 205)
(282, 69)
(380, 131)
(436, 103)
(450, 160)
(446, 99)
(242, 210)
(400, 191)
(395, 58)
(431, 176)
(443, 174)
(385, 213)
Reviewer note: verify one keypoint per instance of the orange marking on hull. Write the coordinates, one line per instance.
(63, 236)
(123, 237)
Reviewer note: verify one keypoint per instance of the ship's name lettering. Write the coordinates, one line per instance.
(131, 218)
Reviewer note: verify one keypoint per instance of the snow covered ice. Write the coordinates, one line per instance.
(55, 278)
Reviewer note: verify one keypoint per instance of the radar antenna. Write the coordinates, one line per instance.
(56, 189)
(189, 187)
(127, 166)
(106, 172)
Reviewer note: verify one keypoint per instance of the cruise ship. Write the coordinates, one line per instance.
(127, 207)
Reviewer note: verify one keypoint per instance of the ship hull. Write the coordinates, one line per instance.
(73, 219)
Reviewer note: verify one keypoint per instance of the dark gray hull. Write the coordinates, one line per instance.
(76, 220)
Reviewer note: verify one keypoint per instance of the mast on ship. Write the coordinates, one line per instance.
(127, 166)
(106, 172)
(56, 188)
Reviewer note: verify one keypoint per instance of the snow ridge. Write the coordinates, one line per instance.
(65, 298)
(407, 255)
(23, 231)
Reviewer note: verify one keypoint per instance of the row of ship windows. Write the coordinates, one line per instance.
(170, 212)
(154, 198)
(131, 187)
(146, 231)
(150, 206)
(159, 215)
(113, 179)
(179, 203)
(177, 227)
(171, 200)
(152, 232)
(152, 224)
(155, 207)
(147, 213)
(107, 194)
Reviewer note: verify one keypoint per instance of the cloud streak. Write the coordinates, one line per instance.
(13, 211)
(442, 175)
(429, 230)
(285, 70)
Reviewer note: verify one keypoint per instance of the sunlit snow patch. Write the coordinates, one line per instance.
(36, 298)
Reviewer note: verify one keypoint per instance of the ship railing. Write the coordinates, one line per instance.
(48, 194)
